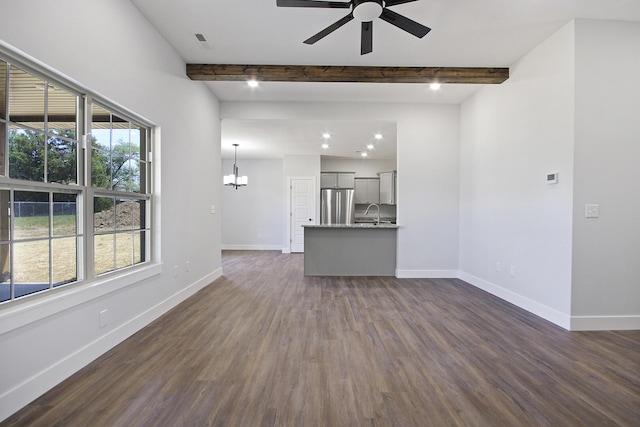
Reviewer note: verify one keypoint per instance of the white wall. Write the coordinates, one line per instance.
(512, 135)
(253, 216)
(107, 46)
(606, 251)
(428, 172)
(364, 168)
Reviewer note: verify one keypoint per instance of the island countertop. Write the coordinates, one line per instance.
(365, 225)
(350, 250)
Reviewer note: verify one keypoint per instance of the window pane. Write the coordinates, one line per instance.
(26, 154)
(121, 171)
(62, 110)
(64, 260)
(64, 214)
(101, 138)
(3, 145)
(26, 99)
(31, 214)
(5, 272)
(126, 213)
(31, 266)
(139, 245)
(100, 169)
(124, 250)
(5, 217)
(103, 214)
(136, 143)
(134, 171)
(104, 250)
(100, 118)
(62, 161)
(122, 127)
(120, 138)
(141, 220)
(3, 90)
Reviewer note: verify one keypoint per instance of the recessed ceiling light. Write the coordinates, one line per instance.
(252, 83)
(435, 86)
(370, 147)
(378, 136)
(325, 145)
(326, 135)
(364, 154)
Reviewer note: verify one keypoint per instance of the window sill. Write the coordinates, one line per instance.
(37, 307)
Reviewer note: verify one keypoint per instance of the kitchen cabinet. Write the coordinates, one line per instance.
(350, 250)
(387, 188)
(367, 190)
(337, 179)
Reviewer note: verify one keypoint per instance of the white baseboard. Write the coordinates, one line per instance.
(252, 247)
(541, 310)
(426, 274)
(605, 323)
(21, 395)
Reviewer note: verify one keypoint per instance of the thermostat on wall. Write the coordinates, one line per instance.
(552, 178)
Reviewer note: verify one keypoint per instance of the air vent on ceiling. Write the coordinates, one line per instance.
(202, 40)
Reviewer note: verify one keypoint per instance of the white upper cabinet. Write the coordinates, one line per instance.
(346, 180)
(367, 190)
(387, 188)
(337, 179)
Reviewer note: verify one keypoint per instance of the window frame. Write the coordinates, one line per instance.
(87, 282)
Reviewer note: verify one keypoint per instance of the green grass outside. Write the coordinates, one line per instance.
(31, 258)
(38, 226)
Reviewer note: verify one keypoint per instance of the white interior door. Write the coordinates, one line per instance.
(303, 209)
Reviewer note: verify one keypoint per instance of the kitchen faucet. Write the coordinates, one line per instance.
(377, 206)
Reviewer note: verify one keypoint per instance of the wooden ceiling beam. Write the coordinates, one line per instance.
(353, 74)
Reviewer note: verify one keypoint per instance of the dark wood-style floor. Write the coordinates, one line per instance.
(265, 346)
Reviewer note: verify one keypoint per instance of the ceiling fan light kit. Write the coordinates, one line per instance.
(367, 10)
(364, 11)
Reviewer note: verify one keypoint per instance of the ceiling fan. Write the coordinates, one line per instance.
(364, 11)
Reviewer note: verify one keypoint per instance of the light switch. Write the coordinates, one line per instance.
(591, 211)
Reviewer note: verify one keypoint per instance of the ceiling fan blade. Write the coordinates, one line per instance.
(404, 23)
(388, 3)
(313, 3)
(330, 29)
(366, 45)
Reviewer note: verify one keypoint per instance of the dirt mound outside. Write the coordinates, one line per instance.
(127, 216)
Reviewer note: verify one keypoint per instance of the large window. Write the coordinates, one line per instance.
(119, 177)
(75, 184)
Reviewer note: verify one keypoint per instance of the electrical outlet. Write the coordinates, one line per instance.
(498, 267)
(186, 266)
(175, 271)
(213, 209)
(102, 319)
(512, 271)
(591, 211)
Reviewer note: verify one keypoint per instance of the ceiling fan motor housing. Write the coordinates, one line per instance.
(367, 10)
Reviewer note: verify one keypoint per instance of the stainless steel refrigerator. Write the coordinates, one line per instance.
(337, 206)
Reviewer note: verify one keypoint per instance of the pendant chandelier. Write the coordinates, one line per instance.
(233, 179)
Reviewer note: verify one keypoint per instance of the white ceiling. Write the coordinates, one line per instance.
(465, 33)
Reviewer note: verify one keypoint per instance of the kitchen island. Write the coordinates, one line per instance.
(350, 250)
